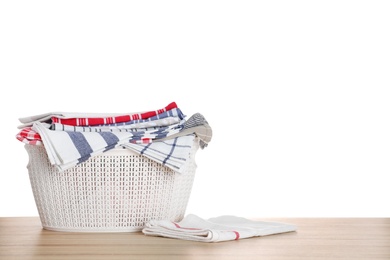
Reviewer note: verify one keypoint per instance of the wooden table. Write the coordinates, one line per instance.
(316, 238)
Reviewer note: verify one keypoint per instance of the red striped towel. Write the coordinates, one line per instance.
(92, 121)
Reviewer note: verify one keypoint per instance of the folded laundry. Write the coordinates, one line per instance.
(80, 119)
(196, 124)
(173, 153)
(223, 228)
(66, 149)
(70, 142)
(91, 121)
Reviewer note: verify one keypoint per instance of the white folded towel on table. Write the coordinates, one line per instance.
(218, 229)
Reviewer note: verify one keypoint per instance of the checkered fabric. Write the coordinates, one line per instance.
(29, 136)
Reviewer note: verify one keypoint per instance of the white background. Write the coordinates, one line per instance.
(297, 94)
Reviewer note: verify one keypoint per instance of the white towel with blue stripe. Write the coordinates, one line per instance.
(66, 149)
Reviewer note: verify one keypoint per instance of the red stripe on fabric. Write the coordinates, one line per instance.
(146, 140)
(171, 106)
(120, 119)
(148, 114)
(237, 235)
(96, 121)
(71, 121)
(67, 121)
(110, 120)
(178, 226)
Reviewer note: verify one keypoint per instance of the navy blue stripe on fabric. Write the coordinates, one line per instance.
(164, 154)
(110, 138)
(137, 136)
(81, 145)
(161, 135)
(83, 159)
(170, 113)
(180, 114)
(172, 149)
(145, 148)
(109, 147)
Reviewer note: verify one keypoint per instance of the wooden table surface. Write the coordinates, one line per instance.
(316, 238)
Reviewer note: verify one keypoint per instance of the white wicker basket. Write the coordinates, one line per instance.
(118, 191)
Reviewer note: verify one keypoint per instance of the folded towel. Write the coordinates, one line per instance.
(66, 149)
(92, 121)
(218, 229)
(84, 119)
(196, 124)
(173, 153)
(28, 136)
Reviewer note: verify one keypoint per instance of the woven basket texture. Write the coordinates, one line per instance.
(118, 191)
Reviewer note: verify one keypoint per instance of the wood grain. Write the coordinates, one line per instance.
(316, 239)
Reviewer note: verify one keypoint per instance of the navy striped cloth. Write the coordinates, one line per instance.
(168, 144)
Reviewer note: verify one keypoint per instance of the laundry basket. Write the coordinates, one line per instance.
(118, 191)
